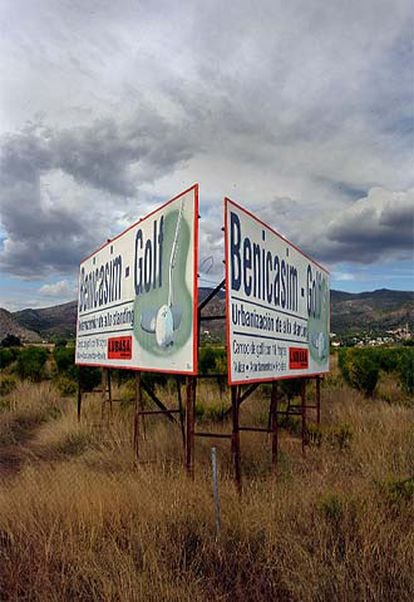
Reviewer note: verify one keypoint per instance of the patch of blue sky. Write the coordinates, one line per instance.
(354, 278)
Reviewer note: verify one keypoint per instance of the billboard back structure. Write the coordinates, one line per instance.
(277, 304)
(137, 304)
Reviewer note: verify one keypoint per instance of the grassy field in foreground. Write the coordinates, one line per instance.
(79, 521)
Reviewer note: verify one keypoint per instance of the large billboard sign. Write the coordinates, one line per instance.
(137, 305)
(277, 304)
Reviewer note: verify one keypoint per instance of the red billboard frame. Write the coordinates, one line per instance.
(231, 382)
(194, 372)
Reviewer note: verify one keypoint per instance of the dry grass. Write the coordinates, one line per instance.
(79, 521)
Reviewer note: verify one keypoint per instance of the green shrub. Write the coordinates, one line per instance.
(360, 369)
(65, 361)
(212, 360)
(388, 358)
(6, 357)
(91, 378)
(66, 386)
(206, 360)
(65, 364)
(291, 387)
(405, 370)
(31, 363)
(10, 340)
(343, 362)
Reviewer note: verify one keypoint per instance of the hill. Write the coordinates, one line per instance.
(10, 325)
(58, 320)
(376, 311)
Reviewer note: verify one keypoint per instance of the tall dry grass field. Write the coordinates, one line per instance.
(80, 521)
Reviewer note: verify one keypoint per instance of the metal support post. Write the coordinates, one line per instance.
(181, 410)
(103, 393)
(274, 425)
(108, 380)
(235, 442)
(303, 412)
(318, 400)
(79, 406)
(138, 404)
(190, 420)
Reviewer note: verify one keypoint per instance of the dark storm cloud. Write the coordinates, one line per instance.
(376, 227)
(46, 235)
(100, 155)
(38, 238)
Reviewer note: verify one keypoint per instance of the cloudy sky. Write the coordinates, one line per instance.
(302, 111)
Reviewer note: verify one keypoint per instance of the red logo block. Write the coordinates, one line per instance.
(298, 358)
(120, 348)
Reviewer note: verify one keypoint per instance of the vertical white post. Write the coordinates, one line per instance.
(216, 491)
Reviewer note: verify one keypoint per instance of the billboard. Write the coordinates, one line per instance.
(277, 304)
(137, 304)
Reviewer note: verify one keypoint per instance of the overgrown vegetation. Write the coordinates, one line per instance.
(79, 520)
(31, 363)
(361, 367)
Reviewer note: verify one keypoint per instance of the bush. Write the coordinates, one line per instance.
(212, 359)
(291, 387)
(405, 370)
(66, 386)
(360, 369)
(31, 363)
(206, 360)
(65, 362)
(6, 358)
(388, 358)
(11, 340)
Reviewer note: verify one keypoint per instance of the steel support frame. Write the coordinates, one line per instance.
(188, 417)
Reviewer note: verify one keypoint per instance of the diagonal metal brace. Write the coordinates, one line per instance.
(158, 402)
(242, 398)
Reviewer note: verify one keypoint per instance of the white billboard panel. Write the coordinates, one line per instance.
(277, 304)
(137, 305)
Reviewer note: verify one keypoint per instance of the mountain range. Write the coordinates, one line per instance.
(377, 311)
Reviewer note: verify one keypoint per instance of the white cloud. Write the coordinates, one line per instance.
(58, 289)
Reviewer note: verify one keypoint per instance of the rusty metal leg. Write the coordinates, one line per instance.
(138, 395)
(303, 413)
(108, 379)
(103, 394)
(181, 410)
(274, 426)
(190, 420)
(79, 408)
(236, 438)
(141, 406)
(318, 400)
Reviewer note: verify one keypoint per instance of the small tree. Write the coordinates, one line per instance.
(360, 369)
(405, 370)
(10, 340)
(6, 358)
(31, 363)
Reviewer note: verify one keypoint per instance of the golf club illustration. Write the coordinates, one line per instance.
(166, 319)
